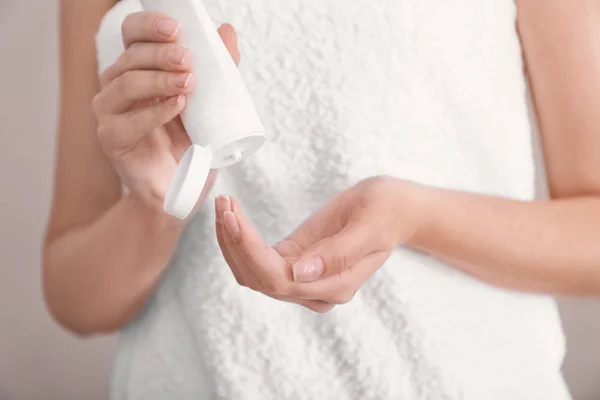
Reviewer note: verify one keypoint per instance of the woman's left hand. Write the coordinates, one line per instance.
(332, 254)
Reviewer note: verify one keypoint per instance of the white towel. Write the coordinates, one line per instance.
(109, 41)
(428, 90)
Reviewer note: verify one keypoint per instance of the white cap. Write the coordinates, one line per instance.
(188, 181)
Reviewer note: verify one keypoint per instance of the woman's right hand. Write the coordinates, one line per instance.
(141, 97)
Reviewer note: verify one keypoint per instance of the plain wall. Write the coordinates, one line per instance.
(39, 361)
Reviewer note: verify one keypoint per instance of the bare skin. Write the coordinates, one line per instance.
(543, 246)
(104, 251)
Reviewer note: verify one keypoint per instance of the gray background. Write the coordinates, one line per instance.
(37, 359)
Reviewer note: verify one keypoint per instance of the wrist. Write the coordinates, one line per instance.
(413, 211)
(152, 212)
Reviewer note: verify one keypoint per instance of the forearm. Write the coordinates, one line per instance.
(96, 277)
(542, 246)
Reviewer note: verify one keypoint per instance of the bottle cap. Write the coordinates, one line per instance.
(188, 181)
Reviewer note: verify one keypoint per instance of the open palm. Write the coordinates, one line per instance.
(325, 260)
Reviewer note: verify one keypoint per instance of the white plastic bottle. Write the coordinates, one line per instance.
(219, 116)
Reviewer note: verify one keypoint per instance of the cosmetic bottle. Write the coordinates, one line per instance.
(219, 116)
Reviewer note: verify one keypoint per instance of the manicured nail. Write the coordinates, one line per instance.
(175, 101)
(309, 270)
(222, 204)
(177, 55)
(167, 27)
(225, 203)
(181, 80)
(231, 223)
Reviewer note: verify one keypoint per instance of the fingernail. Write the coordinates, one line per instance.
(181, 80)
(177, 55)
(167, 27)
(231, 223)
(309, 270)
(174, 101)
(224, 203)
(221, 205)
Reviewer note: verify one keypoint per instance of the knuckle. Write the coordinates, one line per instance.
(144, 120)
(114, 140)
(124, 83)
(338, 262)
(97, 104)
(103, 133)
(161, 54)
(127, 58)
(128, 23)
(105, 76)
(158, 81)
(164, 82)
(278, 288)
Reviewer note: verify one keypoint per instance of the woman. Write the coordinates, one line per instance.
(399, 134)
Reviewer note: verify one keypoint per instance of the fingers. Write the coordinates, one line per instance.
(148, 26)
(341, 288)
(244, 275)
(149, 56)
(258, 266)
(119, 134)
(124, 92)
(248, 246)
(222, 204)
(147, 69)
(335, 254)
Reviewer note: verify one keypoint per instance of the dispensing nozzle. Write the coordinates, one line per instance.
(235, 155)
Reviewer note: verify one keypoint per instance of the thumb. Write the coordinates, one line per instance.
(333, 255)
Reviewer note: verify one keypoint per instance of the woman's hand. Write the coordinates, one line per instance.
(329, 257)
(139, 104)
